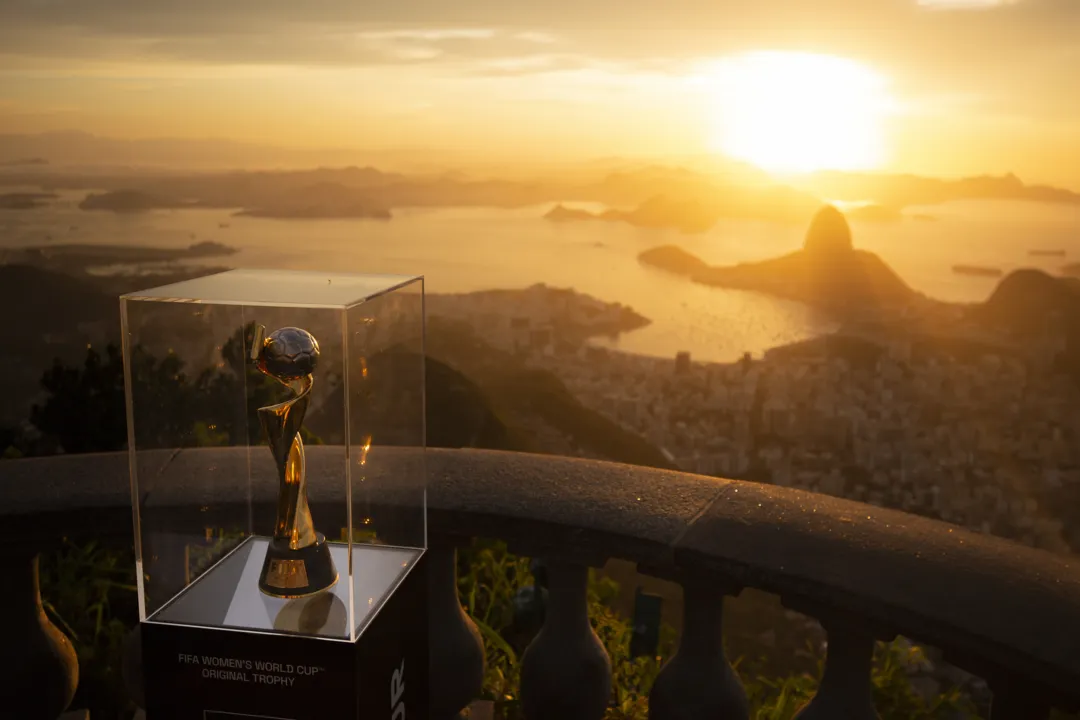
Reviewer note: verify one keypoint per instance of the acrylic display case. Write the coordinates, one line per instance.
(276, 443)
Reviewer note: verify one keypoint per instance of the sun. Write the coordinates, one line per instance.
(790, 112)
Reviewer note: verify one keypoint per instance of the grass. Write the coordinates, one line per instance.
(89, 592)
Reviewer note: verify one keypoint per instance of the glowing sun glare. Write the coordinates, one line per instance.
(792, 112)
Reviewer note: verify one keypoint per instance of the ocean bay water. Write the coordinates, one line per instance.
(466, 249)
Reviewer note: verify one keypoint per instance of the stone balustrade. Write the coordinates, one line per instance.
(1005, 612)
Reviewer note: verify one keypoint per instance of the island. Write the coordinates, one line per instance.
(673, 259)
(1046, 253)
(24, 200)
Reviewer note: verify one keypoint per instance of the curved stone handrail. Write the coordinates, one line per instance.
(1000, 609)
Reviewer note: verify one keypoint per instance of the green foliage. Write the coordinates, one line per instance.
(490, 578)
(89, 593)
(894, 695)
(84, 407)
(632, 678)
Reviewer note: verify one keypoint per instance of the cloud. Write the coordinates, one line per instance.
(430, 34)
(540, 38)
(346, 33)
(303, 44)
(965, 4)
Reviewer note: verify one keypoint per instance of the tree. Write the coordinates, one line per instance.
(85, 407)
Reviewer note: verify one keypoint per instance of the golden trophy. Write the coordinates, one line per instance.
(298, 561)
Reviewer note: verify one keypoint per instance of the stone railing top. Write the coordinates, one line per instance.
(992, 605)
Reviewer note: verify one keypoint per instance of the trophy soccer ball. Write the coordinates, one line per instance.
(289, 354)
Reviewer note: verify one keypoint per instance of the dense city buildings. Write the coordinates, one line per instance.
(985, 438)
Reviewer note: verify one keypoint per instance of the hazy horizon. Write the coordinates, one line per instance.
(942, 88)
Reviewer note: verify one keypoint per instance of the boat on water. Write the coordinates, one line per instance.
(977, 270)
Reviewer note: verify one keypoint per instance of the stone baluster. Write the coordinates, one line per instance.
(41, 670)
(698, 681)
(457, 651)
(565, 671)
(845, 691)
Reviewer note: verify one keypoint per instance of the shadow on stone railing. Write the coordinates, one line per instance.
(1000, 610)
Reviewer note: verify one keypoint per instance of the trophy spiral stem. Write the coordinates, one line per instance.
(281, 423)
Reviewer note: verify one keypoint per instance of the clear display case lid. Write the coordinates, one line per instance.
(282, 288)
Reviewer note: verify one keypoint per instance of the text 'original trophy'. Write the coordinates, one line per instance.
(298, 561)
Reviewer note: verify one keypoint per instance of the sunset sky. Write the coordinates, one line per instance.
(944, 87)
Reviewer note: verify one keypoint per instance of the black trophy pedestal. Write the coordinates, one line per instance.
(289, 573)
(224, 649)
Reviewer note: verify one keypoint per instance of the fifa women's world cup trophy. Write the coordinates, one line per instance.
(298, 561)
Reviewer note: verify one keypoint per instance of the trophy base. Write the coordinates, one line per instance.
(289, 573)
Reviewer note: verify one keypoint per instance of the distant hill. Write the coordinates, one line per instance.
(321, 200)
(534, 403)
(1041, 314)
(899, 191)
(561, 213)
(24, 200)
(131, 201)
(1026, 300)
(24, 162)
(874, 213)
(74, 148)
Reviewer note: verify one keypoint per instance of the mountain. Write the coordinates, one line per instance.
(828, 272)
